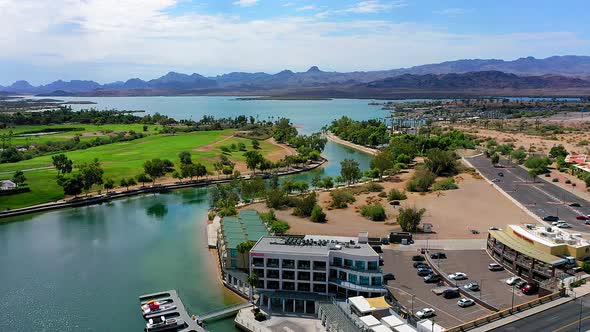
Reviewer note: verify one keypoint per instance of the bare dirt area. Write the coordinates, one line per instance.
(476, 205)
(280, 153)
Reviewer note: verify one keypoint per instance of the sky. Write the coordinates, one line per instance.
(110, 40)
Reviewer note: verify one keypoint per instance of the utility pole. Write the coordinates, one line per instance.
(512, 306)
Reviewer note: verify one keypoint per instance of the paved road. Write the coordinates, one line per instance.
(563, 318)
(542, 197)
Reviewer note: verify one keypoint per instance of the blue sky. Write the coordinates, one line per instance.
(108, 40)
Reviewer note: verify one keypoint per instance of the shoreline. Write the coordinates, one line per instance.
(361, 148)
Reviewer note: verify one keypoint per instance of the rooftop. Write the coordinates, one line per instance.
(549, 236)
(314, 245)
(248, 226)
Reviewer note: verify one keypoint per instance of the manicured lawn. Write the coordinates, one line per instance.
(120, 160)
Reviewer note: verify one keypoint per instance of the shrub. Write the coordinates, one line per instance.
(421, 181)
(304, 206)
(259, 316)
(341, 198)
(555, 180)
(374, 212)
(374, 187)
(547, 175)
(568, 181)
(279, 227)
(382, 194)
(409, 218)
(317, 214)
(445, 184)
(396, 195)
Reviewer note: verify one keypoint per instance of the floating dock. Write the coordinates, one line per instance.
(180, 312)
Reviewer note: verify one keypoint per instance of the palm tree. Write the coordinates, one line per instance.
(253, 282)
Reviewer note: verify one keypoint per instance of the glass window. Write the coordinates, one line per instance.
(352, 278)
(303, 265)
(259, 272)
(319, 288)
(319, 276)
(342, 275)
(303, 287)
(272, 274)
(373, 265)
(288, 264)
(359, 265)
(337, 261)
(234, 263)
(333, 273)
(233, 253)
(272, 262)
(364, 280)
(258, 261)
(289, 275)
(287, 285)
(272, 284)
(303, 275)
(348, 262)
(319, 265)
(376, 281)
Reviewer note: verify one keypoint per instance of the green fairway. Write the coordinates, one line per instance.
(124, 159)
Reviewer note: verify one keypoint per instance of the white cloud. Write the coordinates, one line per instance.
(288, 4)
(119, 39)
(373, 6)
(453, 11)
(245, 3)
(308, 7)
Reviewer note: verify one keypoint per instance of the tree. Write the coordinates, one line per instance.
(155, 168)
(350, 171)
(19, 178)
(328, 182)
(316, 181)
(62, 164)
(185, 157)
(72, 185)
(252, 280)
(131, 182)
(441, 162)
(421, 181)
(558, 151)
(244, 249)
(143, 178)
(409, 218)
(124, 183)
(533, 173)
(539, 164)
(91, 173)
(304, 206)
(253, 159)
(495, 159)
(255, 144)
(109, 184)
(317, 214)
(177, 175)
(382, 162)
(519, 155)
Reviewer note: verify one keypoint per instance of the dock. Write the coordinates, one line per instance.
(212, 229)
(180, 312)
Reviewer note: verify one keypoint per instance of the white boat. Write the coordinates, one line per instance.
(153, 307)
(162, 324)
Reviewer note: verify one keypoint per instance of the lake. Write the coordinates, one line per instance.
(82, 269)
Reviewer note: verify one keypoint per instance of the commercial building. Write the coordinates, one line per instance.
(297, 273)
(580, 161)
(535, 251)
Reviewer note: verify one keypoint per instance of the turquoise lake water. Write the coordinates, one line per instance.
(82, 269)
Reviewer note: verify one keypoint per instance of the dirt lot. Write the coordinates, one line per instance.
(475, 205)
(474, 263)
(407, 283)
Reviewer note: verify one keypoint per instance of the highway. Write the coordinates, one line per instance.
(563, 318)
(541, 197)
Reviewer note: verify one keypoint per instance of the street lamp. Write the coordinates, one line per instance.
(512, 307)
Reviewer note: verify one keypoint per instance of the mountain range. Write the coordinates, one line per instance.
(560, 73)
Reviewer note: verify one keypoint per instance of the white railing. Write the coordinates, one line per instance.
(245, 318)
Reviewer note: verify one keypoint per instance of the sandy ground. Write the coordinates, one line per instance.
(475, 205)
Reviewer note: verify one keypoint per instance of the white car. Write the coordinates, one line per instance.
(557, 223)
(564, 225)
(465, 302)
(425, 313)
(512, 280)
(458, 276)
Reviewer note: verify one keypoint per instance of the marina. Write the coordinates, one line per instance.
(184, 322)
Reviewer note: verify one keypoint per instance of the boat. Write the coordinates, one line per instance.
(153, 307)
(157, 324)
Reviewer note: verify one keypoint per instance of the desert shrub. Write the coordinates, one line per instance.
(374, 212)
(396, 195)
(317, 214)
(421, 181)
(305, 205)
(445, 184)
(547, 175)
(555, 180)
(568, 181)
(374, 187)
(409, 218)
(276, 198)
(341, 198)
(382, 194)
(279, 227)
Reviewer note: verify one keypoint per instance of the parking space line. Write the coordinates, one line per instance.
(428, 304)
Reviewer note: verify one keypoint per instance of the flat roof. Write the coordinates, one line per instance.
(392, 321)
(370, 320)
(248, 226)
(525, 248)
(380, 328)
(554, 238)
(309, 245)
(361, 304)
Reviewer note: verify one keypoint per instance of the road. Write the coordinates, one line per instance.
(541, 197)
(563, 318)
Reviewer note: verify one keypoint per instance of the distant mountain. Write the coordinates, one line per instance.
(524, 73)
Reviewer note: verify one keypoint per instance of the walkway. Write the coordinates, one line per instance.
(361, 148)
(212, 229)
(224, 312)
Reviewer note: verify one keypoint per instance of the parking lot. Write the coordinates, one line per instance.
(493, 287)
(409, 288)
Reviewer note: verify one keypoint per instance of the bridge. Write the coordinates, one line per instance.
(224, 312)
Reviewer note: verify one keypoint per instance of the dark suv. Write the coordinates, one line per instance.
(432, 278)
(451, 293)
(438, 255)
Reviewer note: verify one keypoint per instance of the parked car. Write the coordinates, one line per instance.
(458, 276)
(451, 293)
(550, 218)
(472, 286)
(575, 205)
(564, 225)
(512, 280)
(520, 284)
(419, 265)
(587, 222)
(494, 228)
(530, 289)
(432, 278)
(425, 313)
(438, 255)
(418, 258)
(500, 174)
(496, 180)
(465, 302)
(423, 272)
(583, 218)
(388, 276)
(495, 267)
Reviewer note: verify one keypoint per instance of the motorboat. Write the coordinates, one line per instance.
(157, 324)
(153, 307)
